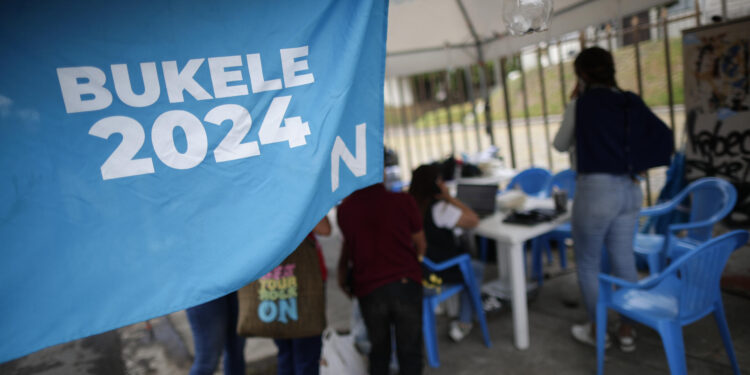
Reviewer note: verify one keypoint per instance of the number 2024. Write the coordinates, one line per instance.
(121, 162)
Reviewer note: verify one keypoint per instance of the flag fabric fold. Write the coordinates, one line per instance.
(157, 155)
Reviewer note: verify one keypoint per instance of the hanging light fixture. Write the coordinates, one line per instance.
(526, 16)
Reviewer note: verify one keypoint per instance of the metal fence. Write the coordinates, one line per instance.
(432, 116)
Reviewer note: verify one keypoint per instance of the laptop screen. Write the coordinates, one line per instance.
(480, 198)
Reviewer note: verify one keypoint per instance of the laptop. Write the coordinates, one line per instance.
(480, 198)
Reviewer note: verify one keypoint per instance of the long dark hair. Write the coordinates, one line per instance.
(424, 185)
(597, 65)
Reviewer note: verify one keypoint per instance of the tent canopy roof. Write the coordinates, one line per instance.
(430, 35)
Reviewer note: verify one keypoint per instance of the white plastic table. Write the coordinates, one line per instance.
(512, 273)
(498, 176)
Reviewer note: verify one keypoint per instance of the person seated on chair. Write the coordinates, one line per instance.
(441, 214)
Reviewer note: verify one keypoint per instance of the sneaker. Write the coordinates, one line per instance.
(627, 343)
(491, 303)
(459, 330)
(439, 309)
(583, 334)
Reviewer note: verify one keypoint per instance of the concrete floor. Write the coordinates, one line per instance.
(166, 348)
(553, 351)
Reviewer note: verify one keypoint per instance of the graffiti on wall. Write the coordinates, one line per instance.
(717, 103)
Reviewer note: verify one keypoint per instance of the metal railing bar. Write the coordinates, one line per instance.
(405, 123)
(543, 93)
(419, 111)
(637, 49)
(668, 65)
(447, 105)
(639, 81)
(472, 97)
(461, 108)
(508, 117)
(562, 74)
(527, 121)
(435, 119)
(697, 13)
(484, 85)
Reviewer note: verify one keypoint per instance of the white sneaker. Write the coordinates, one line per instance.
(582, 333)
(439, 310)
(459, 330)
(627, 343)
(491, 303)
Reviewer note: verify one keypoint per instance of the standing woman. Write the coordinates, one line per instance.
(605, 130)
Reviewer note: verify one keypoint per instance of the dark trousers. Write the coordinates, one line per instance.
(298, 356)
(398, 304)
(214, 326)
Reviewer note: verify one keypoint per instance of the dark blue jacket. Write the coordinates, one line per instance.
(617, 133)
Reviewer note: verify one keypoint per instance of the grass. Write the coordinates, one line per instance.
(654, 87)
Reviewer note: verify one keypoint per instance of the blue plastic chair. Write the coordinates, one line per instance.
(563, 180)
(675, 182)
(710, 199)
(432, 298)
(683, 293)
(532, 181)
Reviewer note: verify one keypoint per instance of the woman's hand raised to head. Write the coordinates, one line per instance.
(445, 194)
(576, 91)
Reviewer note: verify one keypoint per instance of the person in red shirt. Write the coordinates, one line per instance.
(383, 244)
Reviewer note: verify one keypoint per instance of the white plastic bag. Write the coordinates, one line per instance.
(358, 329)
(339, 356)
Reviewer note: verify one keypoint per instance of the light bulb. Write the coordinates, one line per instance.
(526, 16)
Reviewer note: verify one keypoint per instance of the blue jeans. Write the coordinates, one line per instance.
(605, 211)
(465, 308)
(299, 356)
(214, 326)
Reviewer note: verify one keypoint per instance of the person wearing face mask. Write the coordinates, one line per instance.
(609, 135)
(383, 243)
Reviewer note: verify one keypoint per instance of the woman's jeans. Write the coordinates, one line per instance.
(605, 211)
(214, 326)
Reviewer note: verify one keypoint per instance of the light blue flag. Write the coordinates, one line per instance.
(155, 155)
